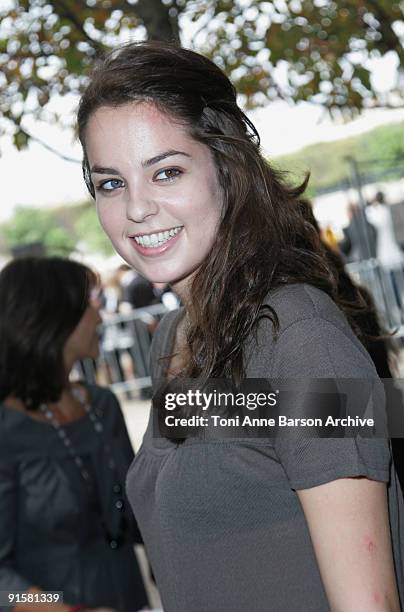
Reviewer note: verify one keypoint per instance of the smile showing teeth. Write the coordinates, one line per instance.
(151, 241)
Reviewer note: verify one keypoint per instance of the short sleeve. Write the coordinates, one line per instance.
(316, 348)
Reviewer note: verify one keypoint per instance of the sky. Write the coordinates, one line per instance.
(37, 177)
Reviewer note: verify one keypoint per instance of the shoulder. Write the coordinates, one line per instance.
(163, 330)
(12, 423)
(160, 340)
(314, 337)
(100, 395)
(165, 325)
(105, 403)
(20, 435)
(300, 301)
(107, 408)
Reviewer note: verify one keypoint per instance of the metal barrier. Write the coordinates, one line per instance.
(129, 335)
(124, 337)
(386, 284)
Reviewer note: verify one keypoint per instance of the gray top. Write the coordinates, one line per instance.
(221, 519)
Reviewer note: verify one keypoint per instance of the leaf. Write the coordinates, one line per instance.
(21, 140)
(313, 36)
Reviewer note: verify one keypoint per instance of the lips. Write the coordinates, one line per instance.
(156, 243)
(156, 239)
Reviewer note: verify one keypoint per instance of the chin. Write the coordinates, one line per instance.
(172, 276)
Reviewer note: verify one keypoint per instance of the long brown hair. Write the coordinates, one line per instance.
(265, 237)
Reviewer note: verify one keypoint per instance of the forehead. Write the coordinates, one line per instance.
(140, 127)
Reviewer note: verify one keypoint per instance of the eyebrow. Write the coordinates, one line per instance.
(146, 164)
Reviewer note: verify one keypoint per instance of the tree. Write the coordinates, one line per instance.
(88, 230)
(61, 230)
(313, 50)
(33, 225)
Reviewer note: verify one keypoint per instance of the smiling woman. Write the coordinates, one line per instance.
(186, 197)
(153, 201)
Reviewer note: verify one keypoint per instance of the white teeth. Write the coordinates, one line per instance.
(156, 240)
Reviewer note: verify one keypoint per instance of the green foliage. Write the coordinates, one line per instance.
(60, 230)
(385, 143)
(47, 47)
(29, 225)
(379, 150)
(88, 230)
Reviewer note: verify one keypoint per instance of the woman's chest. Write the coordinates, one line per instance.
(215, 486)
(47, 499)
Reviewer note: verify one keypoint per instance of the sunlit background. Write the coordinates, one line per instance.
(309, 73)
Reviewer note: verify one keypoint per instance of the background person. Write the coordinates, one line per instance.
(388, 251)
(137, 291)
(65, 524)
(360, 236)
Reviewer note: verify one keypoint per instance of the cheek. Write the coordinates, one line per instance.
(208, 218)
(109, 218)
(89, 333)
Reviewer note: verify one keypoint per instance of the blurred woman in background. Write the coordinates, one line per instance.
(65, 524)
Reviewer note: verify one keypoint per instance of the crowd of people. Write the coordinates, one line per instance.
(125, 340)
(373, 240)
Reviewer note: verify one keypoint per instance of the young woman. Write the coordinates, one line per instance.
(186, 198)
(64, 450)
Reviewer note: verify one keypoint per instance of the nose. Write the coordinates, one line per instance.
(140, 203)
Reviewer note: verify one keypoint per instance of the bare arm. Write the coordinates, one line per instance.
(349, 528)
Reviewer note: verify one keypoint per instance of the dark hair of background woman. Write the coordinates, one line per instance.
(41, 302)
(265, 237)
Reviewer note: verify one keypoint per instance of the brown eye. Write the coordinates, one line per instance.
(168, 174)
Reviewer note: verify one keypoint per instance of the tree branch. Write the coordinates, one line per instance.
(43, 144)
(160, 25)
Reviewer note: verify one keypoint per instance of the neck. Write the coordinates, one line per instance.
(182, 290)
(68, 392)
(69, 407)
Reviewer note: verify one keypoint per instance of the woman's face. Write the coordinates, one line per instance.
(157, 193)
(83, 342)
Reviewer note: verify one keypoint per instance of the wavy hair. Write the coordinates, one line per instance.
(265, 237)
